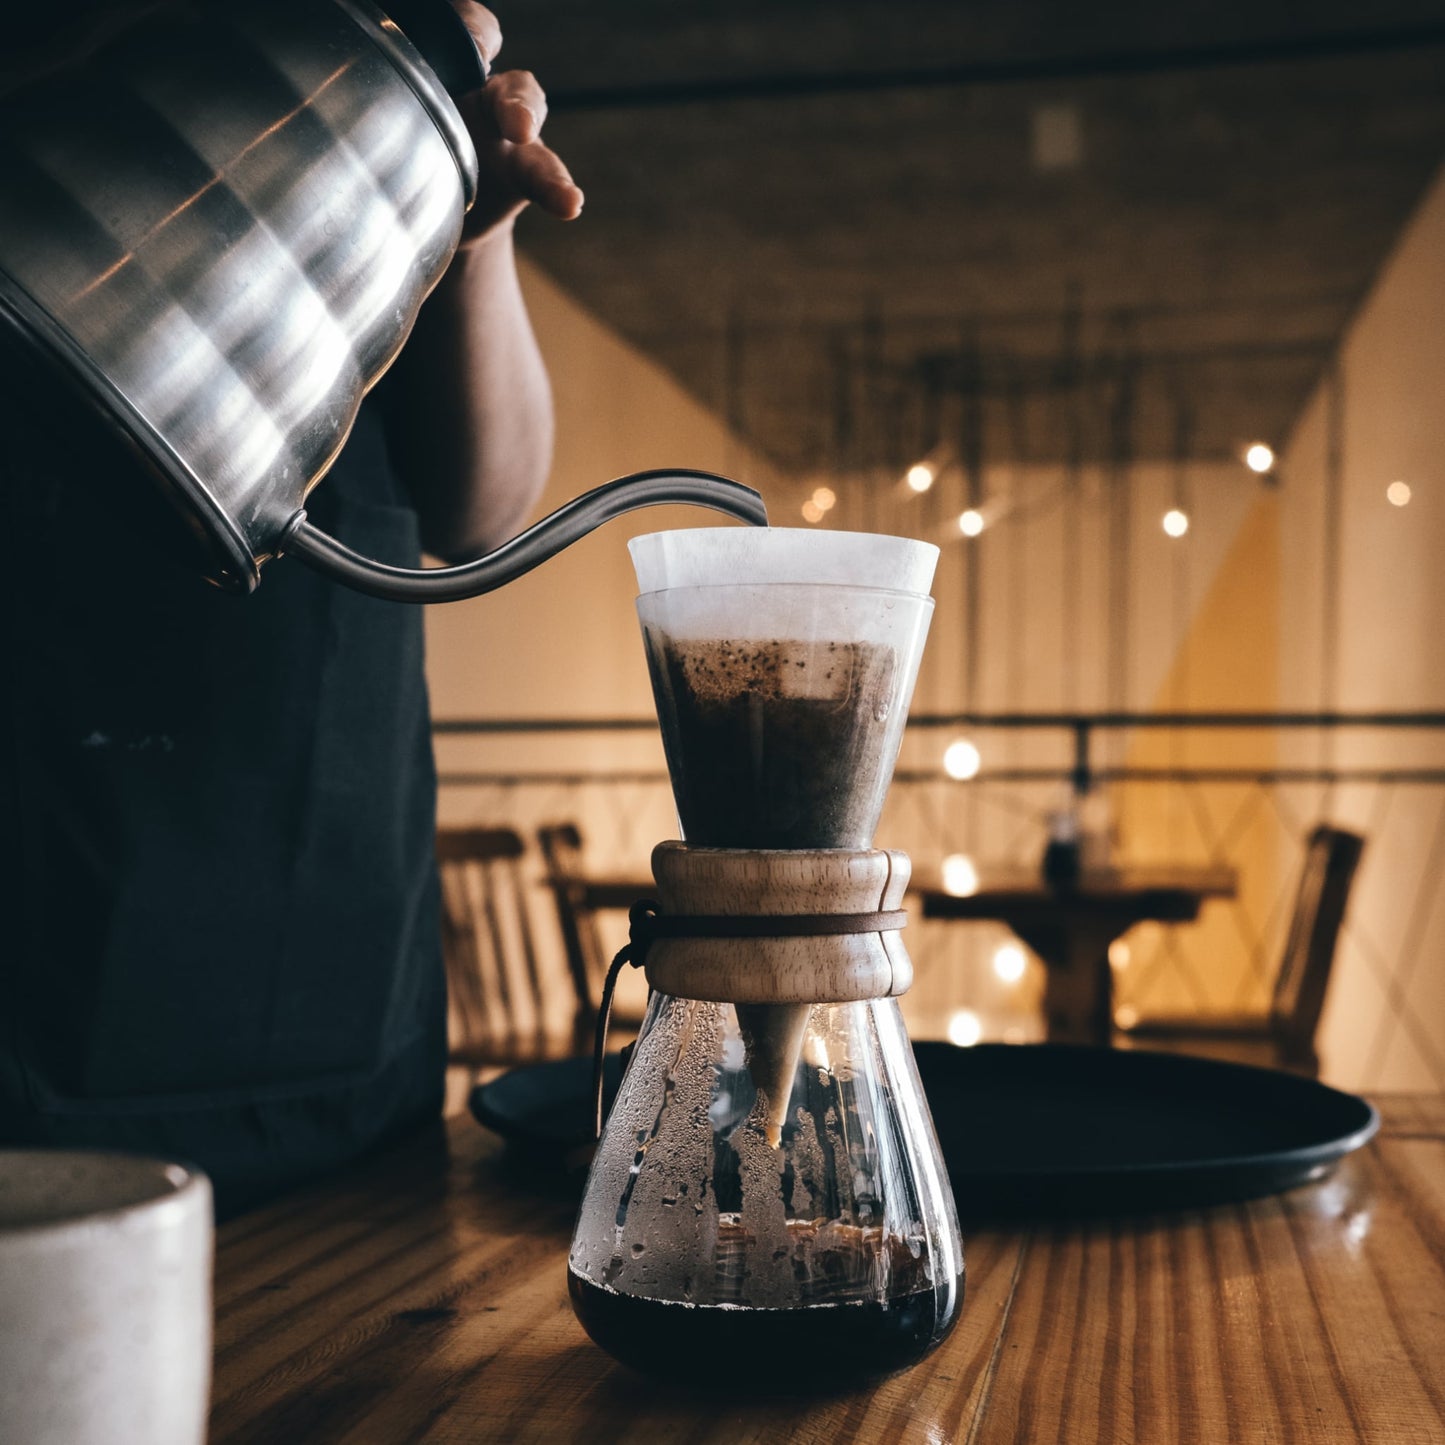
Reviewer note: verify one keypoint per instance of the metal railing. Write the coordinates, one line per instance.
(1234, 788)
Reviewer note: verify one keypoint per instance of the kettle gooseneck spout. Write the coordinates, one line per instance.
(529, 549)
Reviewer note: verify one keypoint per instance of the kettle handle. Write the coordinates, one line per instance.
(573, 520)
(444, 41)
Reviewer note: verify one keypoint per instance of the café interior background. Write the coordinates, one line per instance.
(1075, 261)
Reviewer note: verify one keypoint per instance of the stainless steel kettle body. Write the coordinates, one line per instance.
(222, 222)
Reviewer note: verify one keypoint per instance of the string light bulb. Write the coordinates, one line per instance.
(920, 476)
(1009, 962)
(824, 498)
(960, 877)
(1259, 458)
(1176, 522)
(1398, 494)
(812, 512)
(961, 760)
(965, 1028)
(970, 523)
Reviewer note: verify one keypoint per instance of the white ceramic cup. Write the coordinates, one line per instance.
(105, 1299)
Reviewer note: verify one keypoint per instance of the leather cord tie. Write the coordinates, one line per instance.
(645, 924)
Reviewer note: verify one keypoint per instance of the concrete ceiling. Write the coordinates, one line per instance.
(1027, 230)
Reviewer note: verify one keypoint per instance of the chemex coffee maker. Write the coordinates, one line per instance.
(767, 1205)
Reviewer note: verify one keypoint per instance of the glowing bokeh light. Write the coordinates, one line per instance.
(920, 476)
(1009, 962)
(1118, 954)
(965, 1028)
(824, 498)
(961, 760)
(1398, 494)
(1259, 457)
(960, 877)
(1176, 523)
(812, 512)
(970, 523)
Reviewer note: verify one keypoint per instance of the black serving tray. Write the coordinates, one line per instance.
(1061, 1129)
(1044, 1129)
(544, 1111)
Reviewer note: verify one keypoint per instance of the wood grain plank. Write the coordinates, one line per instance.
(1302, 1317)
(1385, 1311)
(404, 1178)
(452, 1323)
(465, 1232)
(571, 1390)
(423, 1298)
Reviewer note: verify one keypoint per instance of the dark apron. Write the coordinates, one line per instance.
(219, 915)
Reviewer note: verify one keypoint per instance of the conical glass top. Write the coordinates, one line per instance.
(783, 663)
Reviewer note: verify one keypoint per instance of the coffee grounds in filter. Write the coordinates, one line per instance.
(776, 743)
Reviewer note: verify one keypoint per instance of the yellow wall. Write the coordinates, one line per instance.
(1378, 646)
(1227, 661)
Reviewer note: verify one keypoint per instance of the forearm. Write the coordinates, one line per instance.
(470, 407)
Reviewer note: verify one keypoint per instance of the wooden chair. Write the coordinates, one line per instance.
(1285, 1036)
(588, 957)
(496, 989)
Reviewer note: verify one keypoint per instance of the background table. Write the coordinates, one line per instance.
(1071, 929)
(423, 1299)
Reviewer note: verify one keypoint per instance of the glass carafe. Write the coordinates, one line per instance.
(767, 1206)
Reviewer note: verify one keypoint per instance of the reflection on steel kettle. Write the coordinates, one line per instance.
(218, 224)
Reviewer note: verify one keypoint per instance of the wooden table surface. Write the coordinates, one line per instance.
(423, 1298)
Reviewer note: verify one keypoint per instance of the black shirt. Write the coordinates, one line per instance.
(219, 899)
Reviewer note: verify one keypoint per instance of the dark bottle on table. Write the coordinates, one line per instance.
(1061, 861)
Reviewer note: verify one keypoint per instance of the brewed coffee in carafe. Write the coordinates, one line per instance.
(767, 1207)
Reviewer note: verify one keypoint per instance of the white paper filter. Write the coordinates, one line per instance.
(720, 556)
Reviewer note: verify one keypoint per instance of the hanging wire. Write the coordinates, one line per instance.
(842, 438)
(970, 454)
(734, 365)
(1184, 423)
(1118, 493)
(1182, 501)
(871, 350)
(1069, 374)
(1016, 613)
(1330, 561)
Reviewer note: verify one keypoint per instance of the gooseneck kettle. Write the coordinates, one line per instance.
(219, 222)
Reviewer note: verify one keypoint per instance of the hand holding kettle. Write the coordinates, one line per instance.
(470, 413)
(505, 120)
(220, 226)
